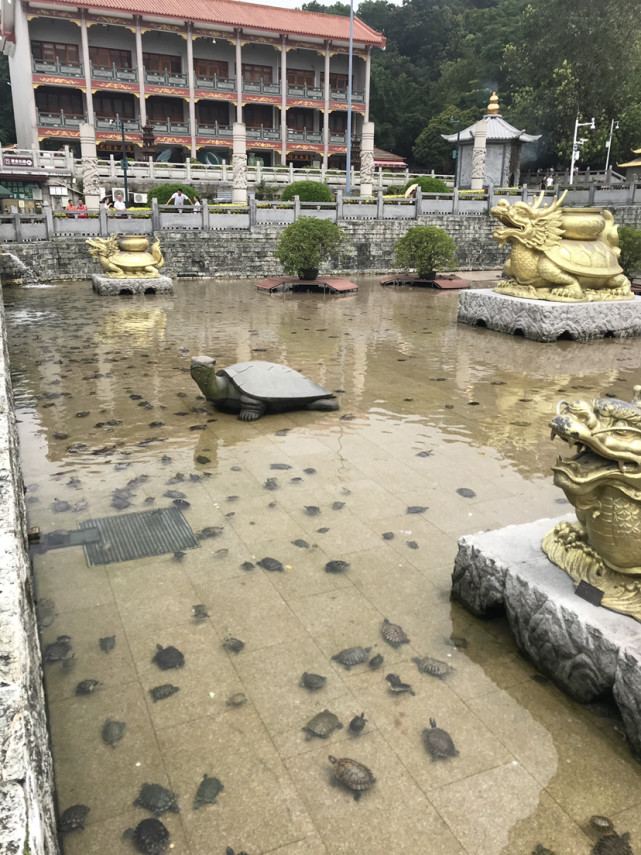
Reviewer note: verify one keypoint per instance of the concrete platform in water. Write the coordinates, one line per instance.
(331, 284)
(447, 282)
(109, 287)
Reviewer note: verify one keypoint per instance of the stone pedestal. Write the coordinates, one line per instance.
(367, 159)
(542, 320)
(239, 164)
(585, 649)
(90, 177)
(108, 287)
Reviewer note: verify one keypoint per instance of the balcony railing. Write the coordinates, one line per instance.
(304, 136)
(263, 133)
(312, 93)
(341, 95)
(166, 78)
(215, 130)
(217, 84)
(108, 123)
(166, 126)
(57, 68)
(104, 72)
(59, 120)
(250, 88)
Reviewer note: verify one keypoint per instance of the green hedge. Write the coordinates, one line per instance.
(308, 191)
(428, 185)
(630, 243)
(163, 192)
(426, 249)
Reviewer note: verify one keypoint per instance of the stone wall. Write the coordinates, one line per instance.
(27, 821)
(251, 253)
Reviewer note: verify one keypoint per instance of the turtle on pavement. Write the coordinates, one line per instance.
(58, 649)
(313, 682)
(207, 791)
(393, 634)
(352, 656)
(613, 844)
(434, 667)
(358, 723)
(322, 724)
(112, 732)
(159, 693)
(253, 388)
(168, 657)
(86, 687)
(353, 774)
(438, 742)
(397, 686)
(74, 817)
(156, 799)
(150, 836)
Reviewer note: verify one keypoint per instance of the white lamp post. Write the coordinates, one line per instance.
(614, 125)
(577, 143)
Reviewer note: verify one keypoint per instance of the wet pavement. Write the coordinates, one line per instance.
(444, 420)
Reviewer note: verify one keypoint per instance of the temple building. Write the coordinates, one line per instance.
(185, 73)
(499, 160)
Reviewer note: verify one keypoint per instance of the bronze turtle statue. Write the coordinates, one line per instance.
(252, 389)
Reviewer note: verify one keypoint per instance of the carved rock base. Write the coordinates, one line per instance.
(114, 287)
(587, 650)
(541, 320)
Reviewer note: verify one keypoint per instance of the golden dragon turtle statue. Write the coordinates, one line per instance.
(603, 482)
(127, 257)
(568, 255)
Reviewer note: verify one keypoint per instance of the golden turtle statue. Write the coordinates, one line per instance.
(127, 257)
(568, 255)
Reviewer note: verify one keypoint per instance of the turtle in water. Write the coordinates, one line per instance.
(376, 661)
(313, 682)
(237, 699)
(613, 844)
(207, 791)
(113, 732)
(252, 389)
(108, 643)
(159, 693)
(336, 566)
(86, 687)
(74, 817)
(322, 724)
(352, 656)
(393, 634)
(58, 649)
(168, 657)
(357, 724)
(438, 742)
(199, 612)
(150, 836)
(271, 564)
(156, 799)
(397, 686)
(353, 774)
(233, 645)
(434, 667)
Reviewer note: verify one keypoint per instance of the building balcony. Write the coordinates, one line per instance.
(108, 123)
(337, 138)
(166, 78)
(124, 75)
(315, 137)
(215, 131)
(59, 120)
(167, 126)
(263, 133)
(341, 95)
(311, 93)
(216, 84)
(261, 88)
(58, 69)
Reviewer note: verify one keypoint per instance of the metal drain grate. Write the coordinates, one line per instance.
(139, 535)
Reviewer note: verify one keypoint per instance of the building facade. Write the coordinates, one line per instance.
(174, 85)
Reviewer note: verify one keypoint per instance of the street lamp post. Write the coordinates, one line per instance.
(348, 162)
(457, 172)
(125, 162)
(614, 125)
(576, 143)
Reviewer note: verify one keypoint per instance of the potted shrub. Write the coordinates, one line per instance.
(307, 191)
(306, 244)
(426, 249)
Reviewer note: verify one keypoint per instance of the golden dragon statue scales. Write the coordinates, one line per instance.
(127, 257)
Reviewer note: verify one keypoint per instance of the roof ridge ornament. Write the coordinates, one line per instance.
(493, 106)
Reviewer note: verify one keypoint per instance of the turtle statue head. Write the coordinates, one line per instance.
(203, 371)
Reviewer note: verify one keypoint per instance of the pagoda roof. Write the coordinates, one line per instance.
(498, 130)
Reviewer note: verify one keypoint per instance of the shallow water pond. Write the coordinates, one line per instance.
(441, 431)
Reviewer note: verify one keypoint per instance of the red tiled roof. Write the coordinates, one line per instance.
(248, 15)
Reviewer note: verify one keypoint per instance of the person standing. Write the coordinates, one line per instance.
(119, 205)
(71, 209)
(179, 199)
(82, 208)
(197, 205)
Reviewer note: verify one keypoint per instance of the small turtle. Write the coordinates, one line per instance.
(434, 667)
(438, 742)
(207, 791)
(74, 817)
(336, 566)
(352, 774)
(352, 656)
(247, 565)
(613, 844)
(86, 687)
(393, 634)
(602, 824)
(357, 724)
(199, 612)
(230, 851)
(270, 564)
(312, 510)
(237, 699)
(108, 643)
(168, 657)
(233, 645)
(58, 649)
(322, 725)
(150, 836)
(46, 612)
(376, 661)
(113, 732)
(156, 799)
(397, 686)
(312, 681)
(540, 849)
(159, 693)
(301, 544)
(416, 509)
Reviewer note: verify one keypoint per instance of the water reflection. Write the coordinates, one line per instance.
(447, 418)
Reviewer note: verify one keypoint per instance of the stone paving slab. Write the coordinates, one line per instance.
(586, 650)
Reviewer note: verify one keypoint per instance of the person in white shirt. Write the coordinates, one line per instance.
(119, 205)
(179, 199)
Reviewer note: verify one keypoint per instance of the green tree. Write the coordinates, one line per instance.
(7, 125)
(431, 151)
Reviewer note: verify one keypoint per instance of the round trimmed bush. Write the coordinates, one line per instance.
(308, 191)
(428, 185)
(163, 192)
(426, 249)
(630, 243)
(307, 243)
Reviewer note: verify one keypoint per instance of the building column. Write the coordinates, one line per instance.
(141, 75)
(367, 159)
(326, 110)
(84, 44)
(89, 157)
(22, 91)
(368, 67)
(239, 163)
(283, 100)
(239, 78)
(478, 154)
(190, 78)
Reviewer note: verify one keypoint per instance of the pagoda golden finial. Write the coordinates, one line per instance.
(493, 106)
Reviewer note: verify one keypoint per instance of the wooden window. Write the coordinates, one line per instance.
(52, 51)
(103, 57)
(162, 62)
(210, 112)
(255, 115)
(257, 73)
(337, 80)
(300, 77)
(211, 68)
(160, 109)
(108, 106)
(299, 120)
(338, 122)
(54, 99)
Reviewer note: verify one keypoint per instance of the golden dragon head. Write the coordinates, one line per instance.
(529, 224)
